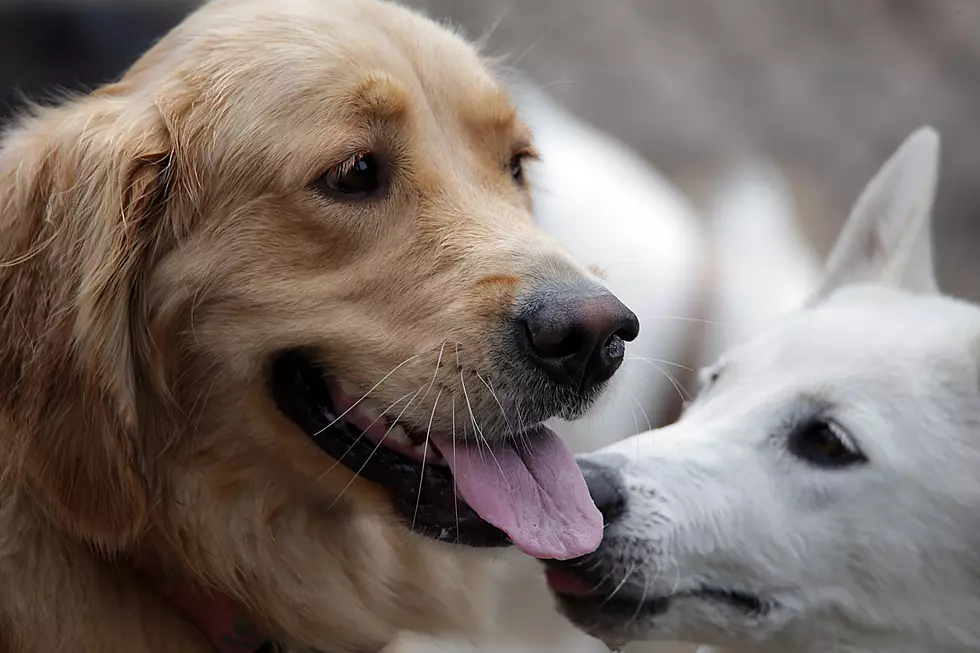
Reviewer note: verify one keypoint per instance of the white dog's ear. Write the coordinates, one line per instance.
(887, 238)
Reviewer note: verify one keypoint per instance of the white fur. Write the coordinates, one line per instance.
(610, 208)
(880, 556)
(762, 267)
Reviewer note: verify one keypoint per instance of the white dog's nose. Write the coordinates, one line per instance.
(607, 488)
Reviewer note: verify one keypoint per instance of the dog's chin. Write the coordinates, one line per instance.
(616, 611)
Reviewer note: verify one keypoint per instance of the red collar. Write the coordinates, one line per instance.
(219, 618)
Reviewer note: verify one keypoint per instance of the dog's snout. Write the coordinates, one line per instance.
(607, 488)
(578, 335)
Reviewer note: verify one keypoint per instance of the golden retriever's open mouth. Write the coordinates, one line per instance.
(527, 490)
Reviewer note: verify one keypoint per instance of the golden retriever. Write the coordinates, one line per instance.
(277, 338)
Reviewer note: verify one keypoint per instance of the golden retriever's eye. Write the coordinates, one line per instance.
(358, 177)
(516, 167)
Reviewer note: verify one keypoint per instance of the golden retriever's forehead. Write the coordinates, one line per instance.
(444, 68)
(298, 74)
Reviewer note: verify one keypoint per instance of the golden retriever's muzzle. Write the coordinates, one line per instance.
(553, 357)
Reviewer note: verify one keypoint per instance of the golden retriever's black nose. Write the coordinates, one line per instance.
(607, 488)
(578, 336)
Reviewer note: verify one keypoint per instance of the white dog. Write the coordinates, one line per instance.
(823, 492)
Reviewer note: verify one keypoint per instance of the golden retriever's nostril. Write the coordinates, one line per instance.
(578, 336)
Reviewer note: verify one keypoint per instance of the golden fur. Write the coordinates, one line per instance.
(160, 240)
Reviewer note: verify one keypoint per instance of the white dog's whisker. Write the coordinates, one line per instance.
(621, 584)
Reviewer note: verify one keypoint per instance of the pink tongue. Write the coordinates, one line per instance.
(533, 491)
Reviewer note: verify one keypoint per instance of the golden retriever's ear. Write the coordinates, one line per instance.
(84, 193)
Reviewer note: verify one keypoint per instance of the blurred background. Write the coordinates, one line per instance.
(824, 88)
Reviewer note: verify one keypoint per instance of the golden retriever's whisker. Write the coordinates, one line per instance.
(455, 500)
(684, 395)
(636, 424)
(520, 417)
(640, 406)
(365, 395)
(371, 455)
(476, 427)
(493, 394)
(425, 451)
(681, 319)
(469, 407)
(517, 411)
(645, 377)
(522, 436)
(435, 374)
(660, 360)
(358, 438)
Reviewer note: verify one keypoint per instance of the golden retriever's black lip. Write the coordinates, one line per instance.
(424, 497)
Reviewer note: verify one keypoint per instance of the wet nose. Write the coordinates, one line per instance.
(578, 336)
(607, 488)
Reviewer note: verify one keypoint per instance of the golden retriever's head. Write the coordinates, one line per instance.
(282, 208)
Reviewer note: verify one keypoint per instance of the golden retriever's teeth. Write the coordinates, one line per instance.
(350, 390)
(397, 435)
(368, 413)
(427, 451)
(433, 455)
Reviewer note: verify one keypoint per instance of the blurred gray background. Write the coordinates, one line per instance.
(825, 88)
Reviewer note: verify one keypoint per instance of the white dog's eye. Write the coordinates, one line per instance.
(824, 444)
(708, 376)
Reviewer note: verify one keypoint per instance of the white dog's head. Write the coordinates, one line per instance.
(824, 489)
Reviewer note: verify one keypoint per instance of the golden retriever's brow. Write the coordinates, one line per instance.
(490, 111)
(378, 97)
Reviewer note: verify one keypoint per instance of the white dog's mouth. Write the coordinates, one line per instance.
(583, 599)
